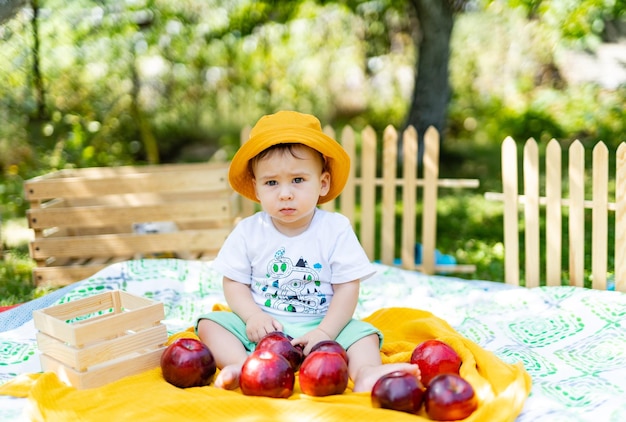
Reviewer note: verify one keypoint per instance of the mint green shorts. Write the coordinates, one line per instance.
(352, 332)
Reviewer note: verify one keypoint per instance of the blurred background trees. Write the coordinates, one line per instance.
(104, 83)
(107, 83)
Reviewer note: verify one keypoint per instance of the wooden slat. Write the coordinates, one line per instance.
(511, 212)
(347, 199)
(124, 244)
(120, 171)
(84, 358)
(98, 216)
(576, 224)
(205, 177)
(95, 329)
(599, 225)
(105, 374)
(531, 213)
(368, 192)
(620, 219)
(127, 301)
(553, 214)
(50, 319)
(63, 275)
(137, 199)
(388, 213)
(565, 202)
(442, 183)
(330, 205)
(409, 196)
(429, 213)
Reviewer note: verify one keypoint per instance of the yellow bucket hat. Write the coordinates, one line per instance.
(286, 127)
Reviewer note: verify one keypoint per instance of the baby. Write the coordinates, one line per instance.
(292, 267)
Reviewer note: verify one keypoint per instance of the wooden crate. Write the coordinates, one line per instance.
(86, 219)
(93, 341)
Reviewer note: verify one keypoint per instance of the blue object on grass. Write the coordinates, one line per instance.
(440, 259)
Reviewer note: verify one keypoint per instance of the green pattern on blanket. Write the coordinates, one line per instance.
(582, 392)
(537, 365)
(601, 352)
(542, 330)
(12, 353)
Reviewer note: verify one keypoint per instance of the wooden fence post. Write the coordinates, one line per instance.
(599, 225)
(576, 224)
(409, 197)
(620, 219)
(388, 212)
(430, 195)
(368, 190)
(554, 233)
(531, 212)
(511, 212)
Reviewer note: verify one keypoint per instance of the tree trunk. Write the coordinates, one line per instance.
(40, 92)
(431, 93)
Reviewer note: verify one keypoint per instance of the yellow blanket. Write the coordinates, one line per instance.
(502, 388)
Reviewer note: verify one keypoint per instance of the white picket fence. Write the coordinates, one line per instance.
(554, 202)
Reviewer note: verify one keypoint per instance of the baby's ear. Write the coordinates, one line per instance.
(325, 183)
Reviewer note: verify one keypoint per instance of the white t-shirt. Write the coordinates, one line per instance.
(292, 277)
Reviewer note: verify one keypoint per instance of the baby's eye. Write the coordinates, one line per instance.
(298, 180)
(271, 183)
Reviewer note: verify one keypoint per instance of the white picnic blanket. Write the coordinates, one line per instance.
(572, 341)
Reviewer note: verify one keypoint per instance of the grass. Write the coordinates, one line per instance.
(16, 284)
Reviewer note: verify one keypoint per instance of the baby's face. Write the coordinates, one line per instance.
(288, 186)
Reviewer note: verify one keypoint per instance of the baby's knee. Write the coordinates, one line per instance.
(206, 328)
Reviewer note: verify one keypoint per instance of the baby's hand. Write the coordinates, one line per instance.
(260, 324)
(310, 339)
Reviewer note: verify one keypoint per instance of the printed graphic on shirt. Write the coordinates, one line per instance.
(293, 288)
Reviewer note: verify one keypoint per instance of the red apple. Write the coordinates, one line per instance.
(398, 390)
(449, 397)
(280, 343)
(331, 346)
(323, 373)
(266, 373)
(435, 357)
(188, 362)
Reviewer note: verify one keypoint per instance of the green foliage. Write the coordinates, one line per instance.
(581, 22)
(130, 82)
(461, 220)
(524, 95)
(16, 285)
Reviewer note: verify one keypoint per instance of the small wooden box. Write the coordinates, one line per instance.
(99, 339)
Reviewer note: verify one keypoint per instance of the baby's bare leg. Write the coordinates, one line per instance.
(227, 350)
(366, 367)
